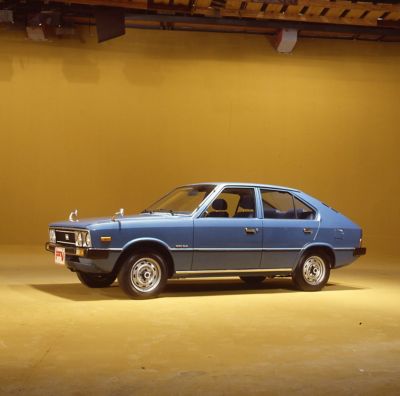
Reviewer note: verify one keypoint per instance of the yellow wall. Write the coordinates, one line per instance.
(100, 127)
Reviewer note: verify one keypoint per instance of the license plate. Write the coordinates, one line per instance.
(59, 255)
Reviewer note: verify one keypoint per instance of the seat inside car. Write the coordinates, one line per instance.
(245, 207)
(220, 206)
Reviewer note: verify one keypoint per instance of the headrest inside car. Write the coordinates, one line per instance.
(219, 204)
(246, 202)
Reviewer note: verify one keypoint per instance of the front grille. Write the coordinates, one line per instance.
(65, 237)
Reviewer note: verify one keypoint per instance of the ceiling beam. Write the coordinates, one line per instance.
(267, 23)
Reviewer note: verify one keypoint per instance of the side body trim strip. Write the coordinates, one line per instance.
(238, 271)
(235, 249)
(249, 249)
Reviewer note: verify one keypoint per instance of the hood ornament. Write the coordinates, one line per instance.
(73, 216)
(121, 213)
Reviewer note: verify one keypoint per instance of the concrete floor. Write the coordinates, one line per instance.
(201, 337)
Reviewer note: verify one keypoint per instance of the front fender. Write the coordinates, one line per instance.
(137, 241)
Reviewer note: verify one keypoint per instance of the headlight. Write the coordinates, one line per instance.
(79, 239)
(52, 235)
(88, 240)
(83, 239)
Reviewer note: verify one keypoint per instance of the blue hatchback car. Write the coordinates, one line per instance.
(253, 231)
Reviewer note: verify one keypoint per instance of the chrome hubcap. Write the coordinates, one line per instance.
(314, 270)
(145, 274)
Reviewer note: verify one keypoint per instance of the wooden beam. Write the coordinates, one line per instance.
(277, 24)
(360, 5)
(393, 16)
(314, 11)
(293, 10)
(234, 4)
(332, 5)
(355, 14)
(283, 17)
(373, 15)
(274, 8)
(134, 4)
(272, 11)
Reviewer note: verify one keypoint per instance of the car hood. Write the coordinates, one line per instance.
(101, 221)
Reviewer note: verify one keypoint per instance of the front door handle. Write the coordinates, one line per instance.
(251, 230)
(307, 230)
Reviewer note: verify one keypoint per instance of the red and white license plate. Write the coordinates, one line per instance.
(59, 255)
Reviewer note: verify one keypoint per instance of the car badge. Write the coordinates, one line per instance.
(66, 237)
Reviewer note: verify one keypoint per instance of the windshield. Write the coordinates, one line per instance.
(183, 200)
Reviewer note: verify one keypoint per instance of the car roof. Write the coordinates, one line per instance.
(257, 185)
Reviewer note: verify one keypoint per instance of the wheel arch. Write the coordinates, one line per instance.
(327, 249)
(148, 244)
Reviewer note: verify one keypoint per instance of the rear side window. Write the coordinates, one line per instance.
(303, 211)
(282, 205)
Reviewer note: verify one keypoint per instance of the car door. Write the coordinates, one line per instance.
(288, 225)
(228, 234)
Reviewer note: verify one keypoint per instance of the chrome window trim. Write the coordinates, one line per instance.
(220, 190)
(317, 214)
(293, 195)
(198, 212)
(193, 213)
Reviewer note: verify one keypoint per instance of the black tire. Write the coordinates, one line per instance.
(143, 275)
(96, 280)
(312, 272)
(252, 280)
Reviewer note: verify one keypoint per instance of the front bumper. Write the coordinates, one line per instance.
(74, 251)
(360, 251)
(87, 259)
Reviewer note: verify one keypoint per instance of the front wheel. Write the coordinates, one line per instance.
(312, 272)
(96, 280)
(143, 275)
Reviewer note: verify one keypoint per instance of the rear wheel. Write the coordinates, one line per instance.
(252, 280)
(312, 272)
(96, 280)
(143, 275)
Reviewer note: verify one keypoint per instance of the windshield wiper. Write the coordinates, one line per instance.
(165, 211)
(159, 210)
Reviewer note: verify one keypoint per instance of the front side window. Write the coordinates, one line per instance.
(183, 200)
(233, 203)
(283, 205)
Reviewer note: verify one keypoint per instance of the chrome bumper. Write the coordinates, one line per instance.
(75, 251)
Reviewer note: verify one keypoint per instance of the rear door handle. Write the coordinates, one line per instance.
(251, 230)
(307, 230)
